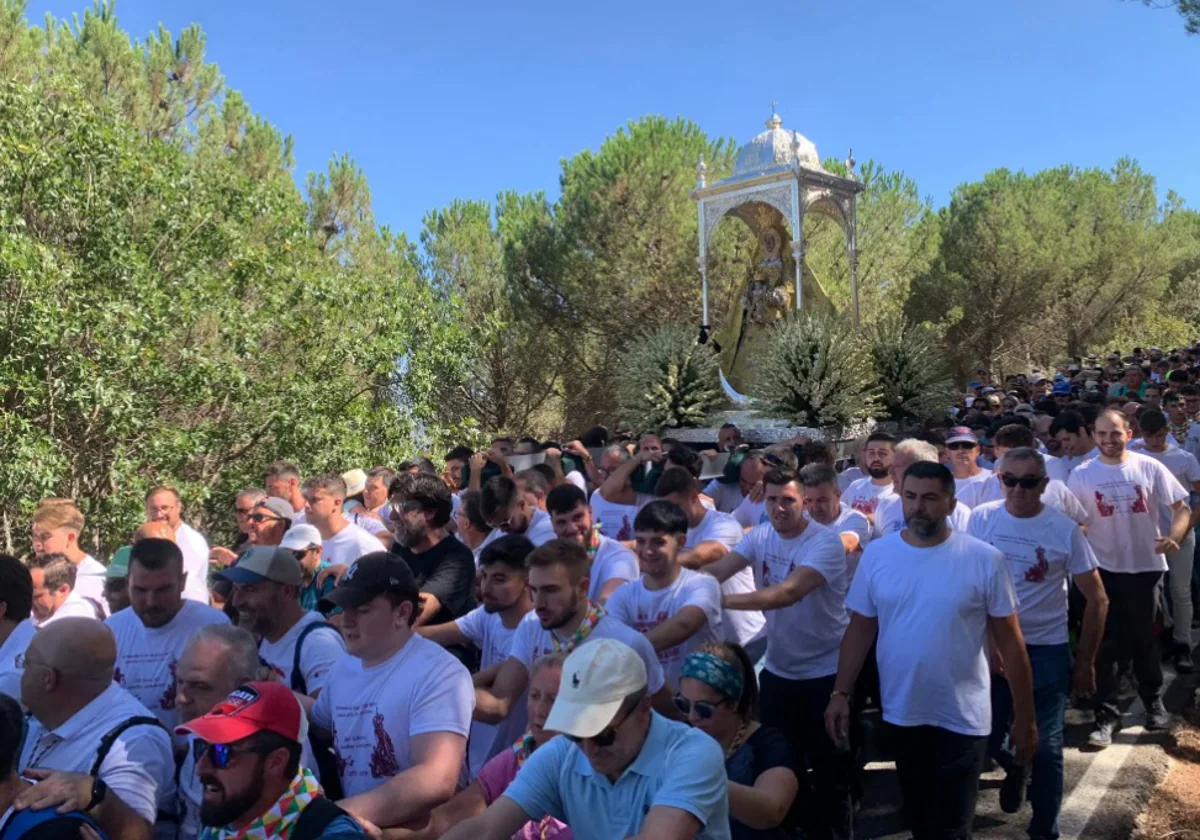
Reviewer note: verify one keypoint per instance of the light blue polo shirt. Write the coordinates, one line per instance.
(678, 767)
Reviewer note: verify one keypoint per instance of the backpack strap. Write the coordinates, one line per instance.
(298, 683)
(22, 822)
(96, 608)
(111, 736)
(316, 816)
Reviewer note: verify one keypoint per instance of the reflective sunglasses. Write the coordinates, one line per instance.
(704, 709)
(606, 738)
(1026, 482)
(219, 755)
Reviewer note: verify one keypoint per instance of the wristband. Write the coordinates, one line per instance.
(99, 790)
(839, 693)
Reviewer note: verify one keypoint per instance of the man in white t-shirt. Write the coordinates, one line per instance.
(963, 448)
(509, 510)
(889, 515)
(54, 595)
(801, 576)
(1122, 492)
(933, 596)
(490, 627)
(57, 524)
(163, 504)
(297, 645)
(218, 658)
(399, 706)
(727, 496)
(710, 536)
(283, 481)
(823, 505)
(1072, 430)
(614, 518)
(864, 494)
(618, 487)
(610, 563)
(153, 631)
(559, 586)
(678, 609)
(1056, 495)
(1186, 469)
(75, 706)
(343, 542)
(16, 623)
(1045, 552)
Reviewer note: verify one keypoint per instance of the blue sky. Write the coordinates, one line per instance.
(463, 99)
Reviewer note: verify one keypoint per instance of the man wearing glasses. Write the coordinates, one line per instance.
(250, 769)
(304, 542)
(619, 770)
(964, 461)
(1055, 494)
(509, 511)
(1042, 548)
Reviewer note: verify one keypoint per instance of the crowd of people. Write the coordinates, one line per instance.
(603, 645)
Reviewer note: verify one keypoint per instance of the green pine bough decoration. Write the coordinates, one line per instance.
(814, 370)
(911, 368)
(668, 381)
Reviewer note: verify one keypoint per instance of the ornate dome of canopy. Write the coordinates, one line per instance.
(774, 149)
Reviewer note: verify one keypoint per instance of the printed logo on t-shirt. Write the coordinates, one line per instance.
(1107, 506)
(863, 505)
(383, 758)
(1037, 572)
(167, 701)
(118, 677)
(626, 532)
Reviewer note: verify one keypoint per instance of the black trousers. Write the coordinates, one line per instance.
(938, 772)
(797, 708)
(1129, 634)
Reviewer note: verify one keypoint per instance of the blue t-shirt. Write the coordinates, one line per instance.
(558, 780)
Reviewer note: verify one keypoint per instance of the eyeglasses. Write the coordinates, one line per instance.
(958, 446)
(608, 737)
(704, 709)
(262, 517)
(502, 524)
(1026, 482)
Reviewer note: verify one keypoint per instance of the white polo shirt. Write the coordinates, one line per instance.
(613, 561)
(139, 768)
(89, 580)
(75, 606)
(15, 645)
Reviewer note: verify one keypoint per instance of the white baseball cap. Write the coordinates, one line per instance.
(301, 536)
(597, 678)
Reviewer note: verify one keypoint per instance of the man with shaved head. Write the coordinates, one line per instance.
(1122, 492)
(91, 745)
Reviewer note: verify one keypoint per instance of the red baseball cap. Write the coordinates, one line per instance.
(251, 708)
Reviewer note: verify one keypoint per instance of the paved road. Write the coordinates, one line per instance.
(1104, 791)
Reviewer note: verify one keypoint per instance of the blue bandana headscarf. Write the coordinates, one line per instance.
(715, 672)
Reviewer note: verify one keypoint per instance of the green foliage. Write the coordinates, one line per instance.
(815, 371)
(668, 381)
(1189, 10)
(913, 375)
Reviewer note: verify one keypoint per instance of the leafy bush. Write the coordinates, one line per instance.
(668, 381)
(813, 370)
(911, 368)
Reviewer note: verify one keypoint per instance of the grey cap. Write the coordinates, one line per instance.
(280, 507)
(265, 562)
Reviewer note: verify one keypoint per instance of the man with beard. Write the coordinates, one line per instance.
(889, 516)
(296, 644)
(250, 770)
(267, 520)
(456, 461)
(91, 746)
(443, 567)
(217, 659)
(933, 596)
(864, 494)
(567, 618)
(490, 627)
(1122, 492)
(610, 564)
(152, 633)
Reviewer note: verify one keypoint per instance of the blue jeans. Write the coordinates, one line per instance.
(1051, 685)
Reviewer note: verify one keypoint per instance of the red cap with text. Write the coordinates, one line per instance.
(249, 709)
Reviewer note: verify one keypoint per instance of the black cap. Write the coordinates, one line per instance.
(368, 577)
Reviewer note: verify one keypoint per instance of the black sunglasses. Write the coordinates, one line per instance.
(961, 444)
(606, 738)
(1027, 482)
(704, 709)
(262, 517)
(219, 755)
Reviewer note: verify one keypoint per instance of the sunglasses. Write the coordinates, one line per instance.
(960, 445)
(1025, 482)
(704, 709)
(243, 511)
(219, 755)
(606, 738)
(262, 517)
